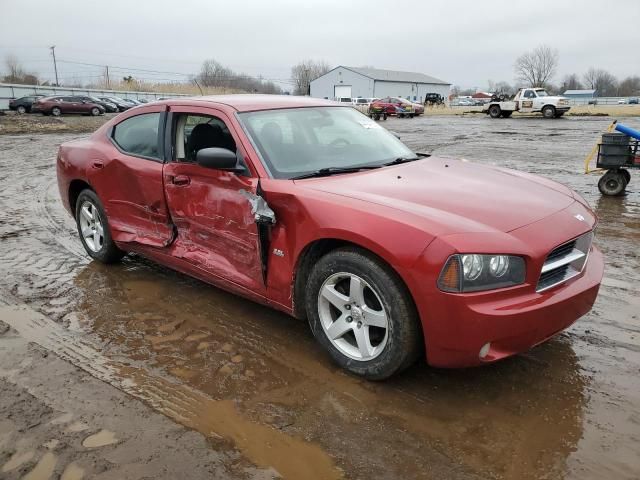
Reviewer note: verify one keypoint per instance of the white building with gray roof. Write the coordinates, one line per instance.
(354, 82)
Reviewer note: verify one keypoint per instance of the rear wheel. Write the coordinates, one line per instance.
(56, 112)
(21, 109)
(549, 111)
(362, 314)
(93, 228)
(95, 111)
(495, 111)
(612, 183)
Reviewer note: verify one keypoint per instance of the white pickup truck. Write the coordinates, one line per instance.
(529, 100)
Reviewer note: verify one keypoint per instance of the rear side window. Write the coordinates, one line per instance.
(139, 135)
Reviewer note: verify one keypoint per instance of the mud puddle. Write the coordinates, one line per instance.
(254, 380)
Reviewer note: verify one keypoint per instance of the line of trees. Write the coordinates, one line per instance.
(214, 74)
(538, 67)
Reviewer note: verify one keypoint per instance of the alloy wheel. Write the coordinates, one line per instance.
(91, 226)
(352, 316)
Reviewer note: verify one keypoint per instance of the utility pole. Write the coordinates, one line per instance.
(55, 66)
(106, 74)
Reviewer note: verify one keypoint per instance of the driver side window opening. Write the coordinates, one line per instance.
(194, 132)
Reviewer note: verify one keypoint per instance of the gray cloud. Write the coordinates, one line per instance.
(466, 42)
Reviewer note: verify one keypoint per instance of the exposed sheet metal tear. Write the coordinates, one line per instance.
(259, 208)
(265, 218)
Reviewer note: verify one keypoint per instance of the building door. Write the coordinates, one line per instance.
(342, 91)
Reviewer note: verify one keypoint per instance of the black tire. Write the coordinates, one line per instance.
(56, 112)
(495, 111)
(376, 117)
(401, 115)
(95, 111)
(108, 252)
(404, 339)
(627, 175)
(505, 114)
(549, 111)
(21, 109)
(384, 116)
(612, 183)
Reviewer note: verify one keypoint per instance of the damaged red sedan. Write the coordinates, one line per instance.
(316, 210)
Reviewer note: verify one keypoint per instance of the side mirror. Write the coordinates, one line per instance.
(219, 159)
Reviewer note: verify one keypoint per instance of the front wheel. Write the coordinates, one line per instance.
(93, 228)
(95, 111)
(56, 112)
(21, 109)
(362, 314)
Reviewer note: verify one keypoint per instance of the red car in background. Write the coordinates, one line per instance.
(316, 210)
(396, 106)
(57, 106)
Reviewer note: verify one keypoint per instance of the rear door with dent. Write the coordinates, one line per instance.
(129, 180)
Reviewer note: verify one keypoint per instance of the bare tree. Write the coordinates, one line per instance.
(571, 82)
(629, 86)
(537, 67)
(214, 74)
(604, 83)
(305, 71)
(16, 73)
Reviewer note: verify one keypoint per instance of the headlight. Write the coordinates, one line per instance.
(475, 272)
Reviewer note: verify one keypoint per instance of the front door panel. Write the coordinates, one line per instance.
(216, 229)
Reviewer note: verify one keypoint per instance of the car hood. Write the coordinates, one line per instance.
(455, 196)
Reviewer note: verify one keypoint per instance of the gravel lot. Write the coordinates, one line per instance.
(245, 392)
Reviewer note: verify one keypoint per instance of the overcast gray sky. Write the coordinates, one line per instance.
(466, 42)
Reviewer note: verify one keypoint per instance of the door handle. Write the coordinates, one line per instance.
(98, 165)
(180, 180)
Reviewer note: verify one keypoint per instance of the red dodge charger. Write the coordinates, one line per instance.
(316, 210)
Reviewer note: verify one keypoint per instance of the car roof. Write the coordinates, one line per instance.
(251, 102)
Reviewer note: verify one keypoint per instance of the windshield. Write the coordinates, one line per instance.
(297, 141)
(94, 99)
(542, 93)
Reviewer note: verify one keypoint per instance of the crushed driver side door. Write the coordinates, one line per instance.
(217, 213)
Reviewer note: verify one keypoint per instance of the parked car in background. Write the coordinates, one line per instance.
(622, 101)
(592, 101)
(109, 107)
(310, 207)
(133, 100)
(344, 100)
(633, 101)
(396, 106)
(363, 102)
(143, 100)
(118, 102)
(23, 104)
(463, 102)
(57, 106)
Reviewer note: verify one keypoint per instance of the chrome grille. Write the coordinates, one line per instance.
(565, 262)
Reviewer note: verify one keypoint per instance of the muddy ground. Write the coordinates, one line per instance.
(134, 371)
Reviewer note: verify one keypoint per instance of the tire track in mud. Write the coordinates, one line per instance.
(264, 446)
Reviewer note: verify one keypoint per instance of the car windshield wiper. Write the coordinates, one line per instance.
(325, 172)
(400, 160)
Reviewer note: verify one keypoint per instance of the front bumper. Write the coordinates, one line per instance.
(512, 320)
(512, 324)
